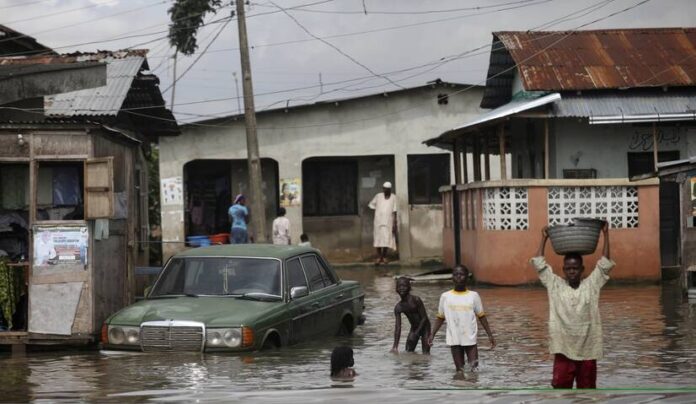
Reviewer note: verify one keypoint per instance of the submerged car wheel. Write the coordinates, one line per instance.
(272, 341)
(346, 327)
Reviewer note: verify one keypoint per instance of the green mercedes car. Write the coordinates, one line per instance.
(238, 298)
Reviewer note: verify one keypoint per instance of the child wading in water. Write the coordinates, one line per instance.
(342, 363)
(460, 307)
(412, 306)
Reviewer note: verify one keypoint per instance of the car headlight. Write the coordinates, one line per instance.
(223, 337)
(124, 335)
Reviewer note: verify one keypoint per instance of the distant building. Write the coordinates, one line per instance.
(578, 115)
(324, 162)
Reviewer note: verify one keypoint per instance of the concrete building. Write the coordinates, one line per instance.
(582, 116)
(324, 162)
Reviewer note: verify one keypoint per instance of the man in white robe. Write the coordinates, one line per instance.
(384, 204)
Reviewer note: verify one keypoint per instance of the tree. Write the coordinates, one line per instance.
(187, 17)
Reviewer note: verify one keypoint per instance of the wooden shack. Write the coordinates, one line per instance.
(73, 197)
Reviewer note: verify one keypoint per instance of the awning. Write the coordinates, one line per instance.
(511, 108)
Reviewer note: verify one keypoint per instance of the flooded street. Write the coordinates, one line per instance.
(649, 341)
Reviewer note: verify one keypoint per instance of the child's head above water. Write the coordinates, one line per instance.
(341, 358)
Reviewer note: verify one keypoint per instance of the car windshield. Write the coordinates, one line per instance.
(214, 276)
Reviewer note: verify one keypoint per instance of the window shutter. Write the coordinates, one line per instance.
(99, 188)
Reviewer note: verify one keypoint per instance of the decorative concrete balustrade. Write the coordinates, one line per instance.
(500, 224)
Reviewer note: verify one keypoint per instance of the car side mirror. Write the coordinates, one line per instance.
(298, 291)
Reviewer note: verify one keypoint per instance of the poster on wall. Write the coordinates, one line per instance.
(60, 245)
(290, 192)
(172, 191)
(693, 196)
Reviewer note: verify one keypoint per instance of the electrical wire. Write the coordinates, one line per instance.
(39, 17)
(452, 10)
(334, 47)
(24, 4)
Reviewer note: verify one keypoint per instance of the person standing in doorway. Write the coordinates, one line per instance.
(384, 204)
(239, 214)
(281, 228)
(575, 326)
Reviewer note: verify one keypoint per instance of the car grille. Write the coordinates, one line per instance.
(172, 336)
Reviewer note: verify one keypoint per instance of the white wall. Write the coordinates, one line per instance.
(395, 124)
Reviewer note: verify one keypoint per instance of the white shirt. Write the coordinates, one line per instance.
(384, 209)
(281, 230)
(575, 327)
(460, 310)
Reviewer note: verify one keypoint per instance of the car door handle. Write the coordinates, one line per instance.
(316, 304)
(339, 297)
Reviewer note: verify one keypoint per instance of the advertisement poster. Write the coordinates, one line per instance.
(60, 245)
(290, 192)
(172, 191)
(693, 196)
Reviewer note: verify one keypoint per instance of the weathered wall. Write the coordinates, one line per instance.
(395, 124)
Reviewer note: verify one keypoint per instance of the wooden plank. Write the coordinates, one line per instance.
(10, 147)
(654, 133)
(486, 157)
(62, 277)
(61, 145)
(465, 162)
(477, 158)
(457, 162)
(546, 148)
(99, 195)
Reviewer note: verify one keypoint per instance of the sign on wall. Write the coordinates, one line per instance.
(290, 192)
(60, 245)
(172, 191)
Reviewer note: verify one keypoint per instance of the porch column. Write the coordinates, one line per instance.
(501, 147)
(477, 157)
(486, 157)
(655, 153)
(465, 162)
(456, 152)
(546, 148)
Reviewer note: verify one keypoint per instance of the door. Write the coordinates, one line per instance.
(322, 297)
(300, 309)
(642, 163)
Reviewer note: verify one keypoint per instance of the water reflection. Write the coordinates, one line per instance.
(650, 341)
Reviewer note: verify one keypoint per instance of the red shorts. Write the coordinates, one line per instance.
(565, 371)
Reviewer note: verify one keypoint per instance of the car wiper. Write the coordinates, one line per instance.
(172, 296)
(259, 296)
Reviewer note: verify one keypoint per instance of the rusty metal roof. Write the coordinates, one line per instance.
(603, 59)
(590, 60)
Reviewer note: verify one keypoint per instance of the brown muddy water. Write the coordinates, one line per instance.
(650, 355)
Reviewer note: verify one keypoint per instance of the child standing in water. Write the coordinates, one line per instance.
(342, 363)
(461, 307)
(412, 306)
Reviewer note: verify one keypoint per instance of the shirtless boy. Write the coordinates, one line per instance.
(412, 306)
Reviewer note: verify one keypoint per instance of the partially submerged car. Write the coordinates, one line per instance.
(238, 298)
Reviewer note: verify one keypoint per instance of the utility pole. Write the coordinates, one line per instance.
(236, 86)
(258, 212)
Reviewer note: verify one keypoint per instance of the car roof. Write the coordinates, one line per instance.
(248, 250)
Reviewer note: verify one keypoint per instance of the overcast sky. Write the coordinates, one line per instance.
(368, 36)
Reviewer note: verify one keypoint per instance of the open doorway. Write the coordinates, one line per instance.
(14, 245)
(642, 163)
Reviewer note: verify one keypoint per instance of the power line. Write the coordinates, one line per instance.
(24, 4)
(52, 14)
(452, 10)
(84, 22)
(334, 47)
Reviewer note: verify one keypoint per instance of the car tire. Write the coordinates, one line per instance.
(346, 327)
(270, 344)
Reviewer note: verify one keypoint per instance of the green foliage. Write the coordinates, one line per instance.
(187, 17)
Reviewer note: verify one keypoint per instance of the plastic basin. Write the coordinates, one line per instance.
(579, 237)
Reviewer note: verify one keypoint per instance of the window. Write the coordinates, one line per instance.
(328, 276)
(296, 276)
(426, 174)
(330, 187)
(59, 191)
(316, 280)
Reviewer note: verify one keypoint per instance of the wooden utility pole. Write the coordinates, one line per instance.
(171, 107)
(258, 212)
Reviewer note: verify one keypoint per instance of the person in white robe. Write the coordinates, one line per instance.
(385, 205)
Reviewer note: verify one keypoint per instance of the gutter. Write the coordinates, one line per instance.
(643, 118)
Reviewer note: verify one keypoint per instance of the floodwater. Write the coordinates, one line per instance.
(649, 340)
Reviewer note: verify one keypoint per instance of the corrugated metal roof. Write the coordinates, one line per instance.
(121, 69)
(603, 59)
(595, 105)
(513, 107)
